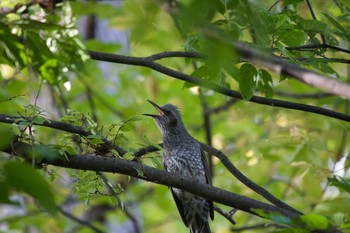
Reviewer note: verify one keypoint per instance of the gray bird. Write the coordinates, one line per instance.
(183, 155)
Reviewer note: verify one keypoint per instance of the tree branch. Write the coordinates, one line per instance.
(138, 170)
(318, 46)
(61, 126)
(228, 216)
(245, 180)
(317, 95)
(182, 54)
(80, 221)
(309, 77)
(144, 62)
(314, 17)
(125, 208)
(234, 171)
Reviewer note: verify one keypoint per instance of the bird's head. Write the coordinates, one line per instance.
(168, 118)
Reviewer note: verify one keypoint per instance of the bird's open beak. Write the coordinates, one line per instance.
(159, 109)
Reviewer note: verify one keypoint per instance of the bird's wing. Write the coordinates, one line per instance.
(208, 177)
(178, 203)
(206, 167)
(179, 207)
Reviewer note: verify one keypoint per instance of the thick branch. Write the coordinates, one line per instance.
(138, 170)
(307, 76)
(234, 171)
(144, 62)
(245, 180)
(274, 63)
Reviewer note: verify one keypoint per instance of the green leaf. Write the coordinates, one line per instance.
(23, 177)
(4, 194)
(278, 218)
(95, 139)
(6, 137)
(39, 120)
(32, 108)
(201, 72)
(246, 81)
(45, 152)
(293, 37)
(157, 162)
(314, 222)
(35, 25)
(285, 52)
(292, 230)
(50, 71)
(190, 20)
(100, 46)
(340, 182)
(314, 26)
(101, 10)
(336, 24)
(11, 49)
(279, 20)
(265, 83)
(231, 4)
(290, 2)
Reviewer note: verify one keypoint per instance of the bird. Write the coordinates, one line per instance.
(184, 156)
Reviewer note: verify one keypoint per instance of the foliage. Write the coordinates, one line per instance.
(46, 75)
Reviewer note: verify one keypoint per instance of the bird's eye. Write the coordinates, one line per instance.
(164, 112)
(172, 119)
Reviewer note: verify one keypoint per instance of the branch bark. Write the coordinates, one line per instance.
(223, 158)
(135, 169)
(145, 62)
(271, 62)
(138, 170)
(309, 77)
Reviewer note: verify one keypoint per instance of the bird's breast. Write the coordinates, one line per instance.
(185, 161)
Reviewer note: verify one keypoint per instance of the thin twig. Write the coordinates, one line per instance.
(80, 221)
(38, 93)
(273, 5)
(257, 226)
(61, 126)
(224, 106)
(207, 128)
(171, 54)
(228, 216)
(101, 99)
(62, 99)
(124, 208)
(90, 96)
(11, 98)
(314, 17)
(318, 46)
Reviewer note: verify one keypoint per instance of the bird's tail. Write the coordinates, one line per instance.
(199, 226)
